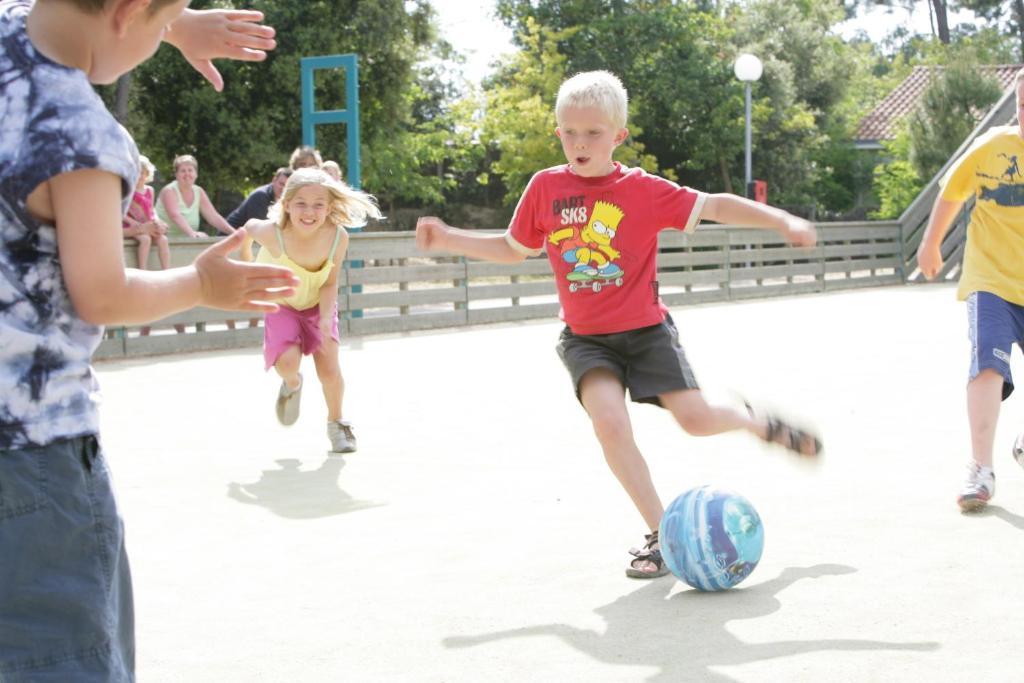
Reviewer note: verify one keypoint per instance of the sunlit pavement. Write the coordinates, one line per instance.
(477, 535)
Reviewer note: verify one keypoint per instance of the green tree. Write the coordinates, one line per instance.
(241, 135)
(520, 113)
(948, 113)
(897, 182)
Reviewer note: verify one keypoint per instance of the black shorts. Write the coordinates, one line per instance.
(648, 361)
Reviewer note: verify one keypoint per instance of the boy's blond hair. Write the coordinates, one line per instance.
(348, 207)
(601, 89)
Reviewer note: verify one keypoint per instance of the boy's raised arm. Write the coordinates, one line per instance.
(205, 35)
(86, 206)
(433, 234)
(735, 210)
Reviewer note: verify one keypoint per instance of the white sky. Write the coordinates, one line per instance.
(470, 26)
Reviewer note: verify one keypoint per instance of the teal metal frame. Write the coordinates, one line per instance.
(311, 118)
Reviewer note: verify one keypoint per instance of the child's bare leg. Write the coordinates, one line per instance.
(287, 366)
(699, 418)
(144, 241)
(604, 399)
(984, 395)
(164, 251)
(328, 371)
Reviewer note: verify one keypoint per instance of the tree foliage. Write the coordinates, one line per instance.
(948, 113)
(242, 134)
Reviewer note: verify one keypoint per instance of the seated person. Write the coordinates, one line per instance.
(257, 204)
(182, 202)
(141, 224)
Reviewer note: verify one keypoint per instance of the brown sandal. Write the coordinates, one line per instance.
(647, 554)
(788, 436)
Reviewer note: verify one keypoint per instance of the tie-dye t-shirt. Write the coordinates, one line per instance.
(51, 122)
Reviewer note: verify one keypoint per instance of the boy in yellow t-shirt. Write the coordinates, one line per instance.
(991, 282)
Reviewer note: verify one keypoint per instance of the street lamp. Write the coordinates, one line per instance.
(748, 69)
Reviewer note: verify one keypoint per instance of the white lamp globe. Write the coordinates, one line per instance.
(748, 67)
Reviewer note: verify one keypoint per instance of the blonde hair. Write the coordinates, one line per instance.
(303, 154)
(182, 159)
(331, 165)
(601, 89)
(348, 207)
(146, 166)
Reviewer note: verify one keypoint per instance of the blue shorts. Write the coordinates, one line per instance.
(994, 325)
(65, 590)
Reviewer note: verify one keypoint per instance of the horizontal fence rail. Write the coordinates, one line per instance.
(396, 288)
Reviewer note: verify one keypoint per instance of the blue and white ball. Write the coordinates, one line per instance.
(711, 538)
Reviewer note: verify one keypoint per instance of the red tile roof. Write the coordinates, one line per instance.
(883, 121)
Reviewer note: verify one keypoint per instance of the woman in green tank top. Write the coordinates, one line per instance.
(182, 202)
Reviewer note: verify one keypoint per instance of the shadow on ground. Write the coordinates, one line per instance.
(294, 493)
(686, 635)
(1011, 518)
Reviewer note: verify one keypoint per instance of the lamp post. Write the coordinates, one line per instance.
(748, 69)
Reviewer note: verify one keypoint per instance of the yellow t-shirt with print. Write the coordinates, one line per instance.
(991, 170)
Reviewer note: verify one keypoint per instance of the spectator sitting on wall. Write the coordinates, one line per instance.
(181, 202)
(305, 157)
(257, 204)
(141, 224)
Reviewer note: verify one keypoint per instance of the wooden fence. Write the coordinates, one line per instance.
(398, 289)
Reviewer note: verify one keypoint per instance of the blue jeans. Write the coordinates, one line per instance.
(66, 609)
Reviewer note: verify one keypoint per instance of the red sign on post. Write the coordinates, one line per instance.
(761, 191)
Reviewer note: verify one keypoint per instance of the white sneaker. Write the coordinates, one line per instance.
(341, 436)
(978, 489)
(287, 406)
(1018, 449)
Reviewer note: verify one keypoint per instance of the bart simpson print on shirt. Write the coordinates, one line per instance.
(588, 247)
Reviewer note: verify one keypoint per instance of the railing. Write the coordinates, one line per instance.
(403, 289)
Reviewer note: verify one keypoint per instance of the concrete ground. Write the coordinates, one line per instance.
(478, 536)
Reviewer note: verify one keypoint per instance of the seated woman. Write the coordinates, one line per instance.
(141, 224)
(182, 202)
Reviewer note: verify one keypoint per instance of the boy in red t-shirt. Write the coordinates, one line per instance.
(599, 222)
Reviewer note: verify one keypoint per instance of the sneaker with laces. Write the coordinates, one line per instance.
(1018, 449)
(978, 489)
(341, 436)
(288, 403)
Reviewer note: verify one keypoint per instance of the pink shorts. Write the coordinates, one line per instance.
(289, 327)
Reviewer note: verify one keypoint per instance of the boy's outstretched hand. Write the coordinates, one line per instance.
(205, 35)
(800, 232)
(237, 286)
(429, 233)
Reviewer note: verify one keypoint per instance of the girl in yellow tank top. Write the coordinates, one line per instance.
(306, 233)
